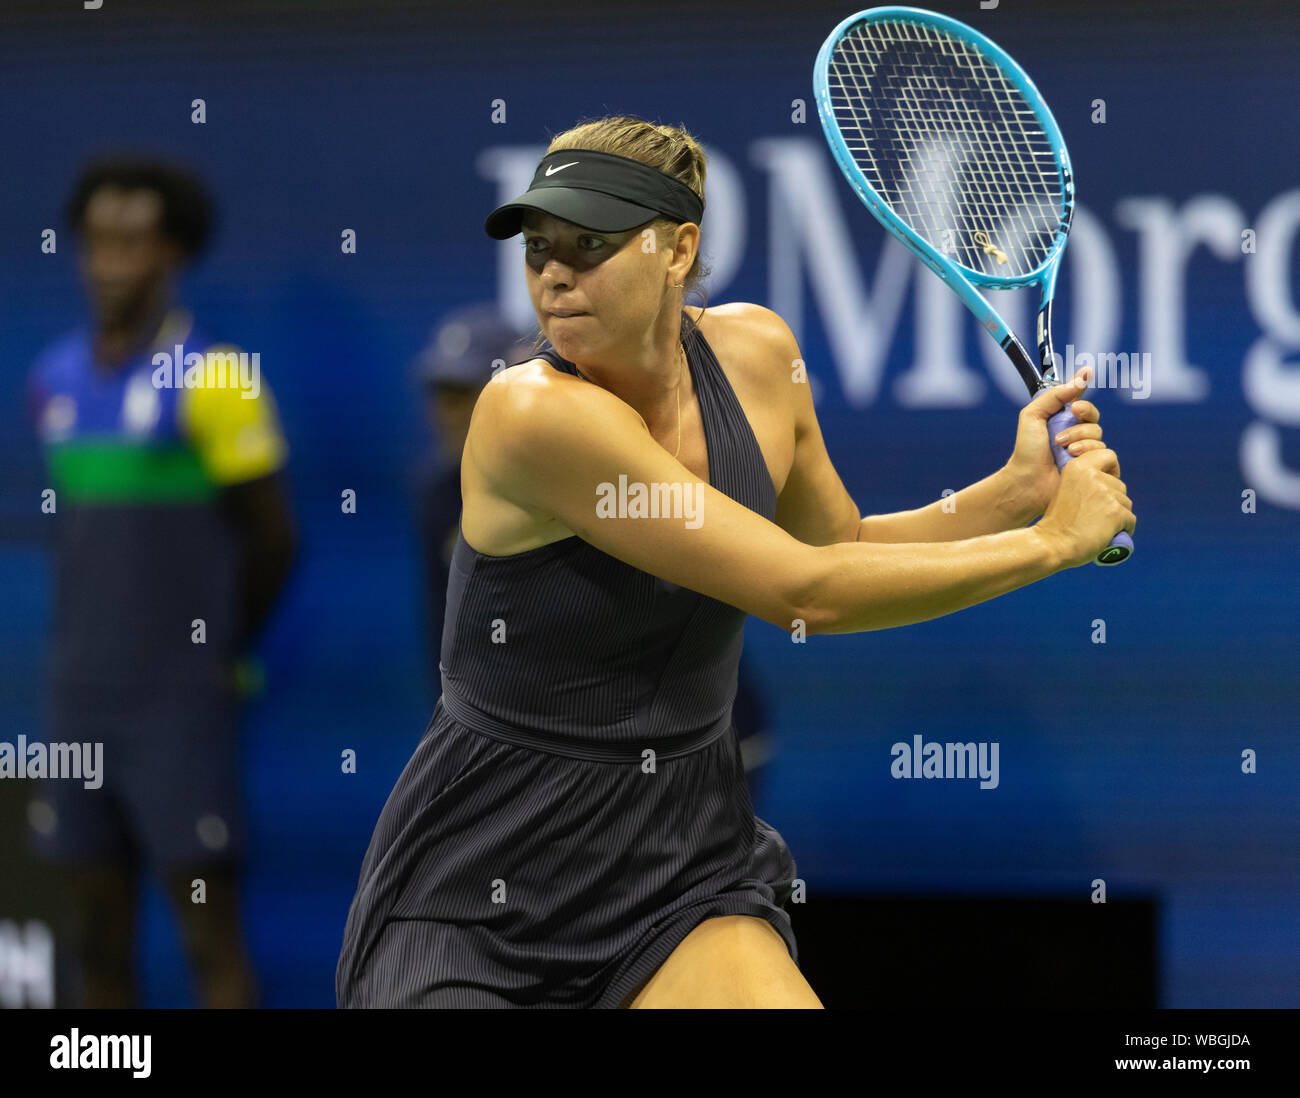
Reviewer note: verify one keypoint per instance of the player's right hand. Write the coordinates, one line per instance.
(1089, 508)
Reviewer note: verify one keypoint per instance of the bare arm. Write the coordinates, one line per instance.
(261, 513)
(988, 506)
(863, 586)
(549, 443)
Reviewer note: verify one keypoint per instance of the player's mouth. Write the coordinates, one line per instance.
(565, 315)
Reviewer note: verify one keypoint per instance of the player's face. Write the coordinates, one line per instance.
(124, 254)
(615, 282)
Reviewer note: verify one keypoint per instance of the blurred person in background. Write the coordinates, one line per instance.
(452, 370)
(174, 538)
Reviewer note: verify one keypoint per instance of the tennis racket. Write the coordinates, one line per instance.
(951, 147)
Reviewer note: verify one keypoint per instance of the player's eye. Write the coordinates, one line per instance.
(595, 243)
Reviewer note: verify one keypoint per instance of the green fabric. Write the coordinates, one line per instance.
(114, 472)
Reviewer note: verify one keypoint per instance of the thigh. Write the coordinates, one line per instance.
(728, 962)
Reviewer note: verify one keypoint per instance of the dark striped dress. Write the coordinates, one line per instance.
(529, 855)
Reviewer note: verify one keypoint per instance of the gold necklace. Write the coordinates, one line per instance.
(679, 401)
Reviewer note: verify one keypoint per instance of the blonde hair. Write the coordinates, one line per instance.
(670, 149)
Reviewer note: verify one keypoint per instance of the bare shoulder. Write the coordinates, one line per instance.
(746, 314)
(527, 417)
(532, 404)
(757, 351)
(522, 385)
(750, 338)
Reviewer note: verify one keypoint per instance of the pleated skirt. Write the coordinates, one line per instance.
(500, 875)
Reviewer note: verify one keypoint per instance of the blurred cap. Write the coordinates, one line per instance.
(466, 342)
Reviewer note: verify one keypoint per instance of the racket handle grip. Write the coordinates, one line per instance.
(1121, 545)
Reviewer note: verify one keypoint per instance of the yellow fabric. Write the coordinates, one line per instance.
(237, 437)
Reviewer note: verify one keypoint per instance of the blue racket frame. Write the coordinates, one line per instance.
(962, 279)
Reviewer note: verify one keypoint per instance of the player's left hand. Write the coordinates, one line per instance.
(1031, 469)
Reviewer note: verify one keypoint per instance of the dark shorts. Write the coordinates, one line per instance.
(505, 876)
(170, 792)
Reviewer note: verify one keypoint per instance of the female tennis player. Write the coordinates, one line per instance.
(574, 829)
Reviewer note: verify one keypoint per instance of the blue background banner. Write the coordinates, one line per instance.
(1120, 760)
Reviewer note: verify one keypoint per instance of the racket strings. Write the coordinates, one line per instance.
(949, 142)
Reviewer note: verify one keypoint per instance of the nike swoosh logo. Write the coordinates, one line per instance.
(560, 167)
